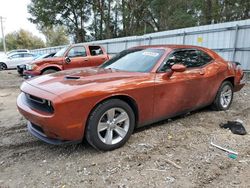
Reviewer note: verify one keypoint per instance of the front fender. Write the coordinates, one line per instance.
(47, 66)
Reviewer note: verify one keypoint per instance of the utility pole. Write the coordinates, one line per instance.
(3, 37)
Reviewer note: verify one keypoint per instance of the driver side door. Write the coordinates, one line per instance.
(178, 92)
(77, 58)
(14, 60)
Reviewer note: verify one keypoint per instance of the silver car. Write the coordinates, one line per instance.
(11, 62)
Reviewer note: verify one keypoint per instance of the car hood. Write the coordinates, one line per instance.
(47, 60)
(86, 79)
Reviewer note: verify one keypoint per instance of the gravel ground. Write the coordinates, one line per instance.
(172, 153)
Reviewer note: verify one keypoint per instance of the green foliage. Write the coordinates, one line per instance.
(71, 13)
(55, 36)
(1, 45)
(23, 39)
(102, 19)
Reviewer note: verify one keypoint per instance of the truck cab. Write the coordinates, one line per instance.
(69, 57)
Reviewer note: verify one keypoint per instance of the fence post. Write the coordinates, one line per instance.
(107, 48)
(126, 44)
(149, 40)
(235, 41)
(184, 37)
(138, 41)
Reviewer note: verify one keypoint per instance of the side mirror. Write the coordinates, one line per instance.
(67, 59)
(178, 68)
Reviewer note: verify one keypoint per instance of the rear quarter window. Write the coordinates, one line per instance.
(95, 50)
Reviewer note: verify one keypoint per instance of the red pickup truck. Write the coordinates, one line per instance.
(73, 56)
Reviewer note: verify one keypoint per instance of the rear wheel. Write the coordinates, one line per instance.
(3, 66)
(110, 125)
(224, 96)
(49, 71)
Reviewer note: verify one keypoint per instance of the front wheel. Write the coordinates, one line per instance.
(110, 125)
(3, 66)
(49, 71)
(224, 96)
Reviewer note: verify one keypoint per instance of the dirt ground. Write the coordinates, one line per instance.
(173, 153)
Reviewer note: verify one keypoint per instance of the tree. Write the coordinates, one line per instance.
(134, 16)
(1, 45)
(55, 36)
(218, 11)
(23, 39)
(71, 13)
(118, 18)
(105, 22)
(171, 14)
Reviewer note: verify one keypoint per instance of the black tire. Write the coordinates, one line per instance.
(49, 71)
(3, 66)
(217, 104)
(94, 137)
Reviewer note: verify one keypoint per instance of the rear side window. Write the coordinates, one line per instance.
(78, 51)
(95, 50)
(190, 58)
(16, 56)
(204, 57)
(27, 55)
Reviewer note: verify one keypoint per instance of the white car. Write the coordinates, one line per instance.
(17, 51)
(11, 62)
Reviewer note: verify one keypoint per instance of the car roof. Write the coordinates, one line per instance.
(21, 53)
(86, 45)
(18, 50)
(170, 46)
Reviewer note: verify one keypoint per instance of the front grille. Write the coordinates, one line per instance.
(39, 103)
(39, 129)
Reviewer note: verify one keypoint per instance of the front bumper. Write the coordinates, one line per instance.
(40, 135)
(29, 74)
(59, 125)
(20, 69)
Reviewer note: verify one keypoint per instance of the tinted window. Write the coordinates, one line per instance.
(135, 60)
(95, 50)
(189, 58)
(78, 51)
(204, 57)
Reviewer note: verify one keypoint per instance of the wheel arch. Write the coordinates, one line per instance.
(230, 79)
(57, 68)
(216, 105)
(129, 100)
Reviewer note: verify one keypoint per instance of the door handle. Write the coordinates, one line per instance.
(85, 59)
(202, 72)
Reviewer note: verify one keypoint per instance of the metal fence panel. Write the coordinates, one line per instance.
(231, 40)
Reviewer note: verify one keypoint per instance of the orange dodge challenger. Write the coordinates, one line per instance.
(138, 86)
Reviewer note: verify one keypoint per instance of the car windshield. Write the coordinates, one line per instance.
(61, 52)
(134, 60)
(41, 56)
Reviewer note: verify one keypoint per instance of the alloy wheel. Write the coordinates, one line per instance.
(113, 126)
(226, 96)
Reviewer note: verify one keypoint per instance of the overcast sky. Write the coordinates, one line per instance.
(16, 14)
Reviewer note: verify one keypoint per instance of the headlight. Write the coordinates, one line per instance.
(30, 66)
